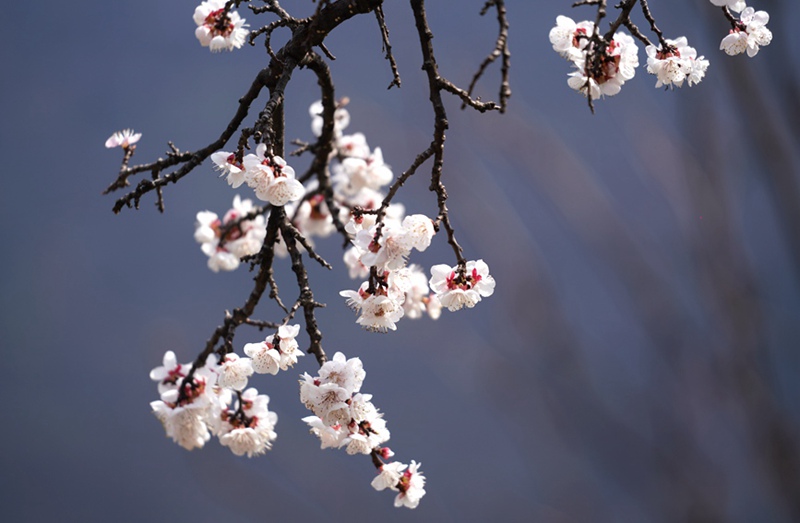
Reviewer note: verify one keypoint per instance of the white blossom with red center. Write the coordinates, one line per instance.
(604, 71)
(249, 426)
(226, 241)
(229, 166)
(217, 28)
(190, 408)
(170, 373)
(456, 289)
(277, 352)
(271, 178)
(411, 487)
(570, 39)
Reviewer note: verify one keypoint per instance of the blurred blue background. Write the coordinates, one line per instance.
(638, 361)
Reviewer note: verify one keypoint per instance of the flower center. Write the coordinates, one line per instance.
(219, 23)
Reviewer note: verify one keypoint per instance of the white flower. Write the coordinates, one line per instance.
(455, 290)
(388, 252)
(327, 400)
(366, 434)
(389, 476)
(356, 269)
(265, 358)
(313, 217)
(227, 164)
(360, 173)
(269, 357)
(416, 291)
(186, 426)
(733, 5)
(380, 313)
(675, 64)
(341, 118)
(251, 429)
(411, 487)
(124, 139)
(271, 178)
(569, 38)
(352, 145)
(220, 260)
(234, 371)
(418, 232)
(226, 241)
(749, 34)
(218, 29)
(329, 437)
(604, 73)
(289, 348)
(170, 373)
(186, 417)
(346, 373)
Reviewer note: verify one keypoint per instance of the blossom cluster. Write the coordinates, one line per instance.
(269, 176)
(675, 63)
(277, 352)
(345, 418)
(395, 289)
(198, 402)
(233, 237)
(748, 34)
(603, 66)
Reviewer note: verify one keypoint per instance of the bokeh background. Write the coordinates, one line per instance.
(638, 361)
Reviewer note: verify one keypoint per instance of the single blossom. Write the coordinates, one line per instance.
(411, 487)
(733, 5)
(234, 372)
(170, 373)
(229, 166)
(124, 139)
(456, 289)
(570, 39)
(217, 28)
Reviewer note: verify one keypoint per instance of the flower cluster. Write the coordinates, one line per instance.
(394, 289)
(346, 418)
(407, 481)
(749, 33)
(277, 352)
(675, 63)
(226, 241)
(601, 67)
(269, 176)
(198, 402)
(217, 28)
